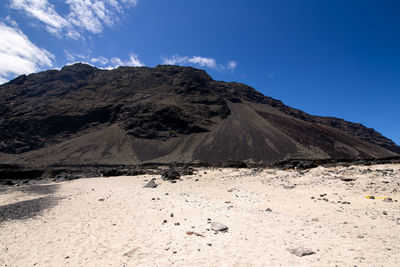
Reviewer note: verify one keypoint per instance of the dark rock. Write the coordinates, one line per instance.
(288, 186)
(151, 184)
(170, 175)
(301, 252)
(347, 179)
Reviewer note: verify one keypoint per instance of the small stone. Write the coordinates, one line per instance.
(165, 221)
(268, 210)
(388, 199)
(177, 224)
(209, 244)
(312, 197)
(300, 252)
(171, 215)
(384, 213)
(360, 236)
(151, 184)
(216, 226)
(288, 186)
(196, 180)
(101, 199)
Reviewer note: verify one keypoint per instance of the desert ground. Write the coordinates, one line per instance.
(270, 214)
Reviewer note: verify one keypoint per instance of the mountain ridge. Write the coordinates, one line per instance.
(166, 114)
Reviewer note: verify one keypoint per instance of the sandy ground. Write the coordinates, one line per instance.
(116, 222)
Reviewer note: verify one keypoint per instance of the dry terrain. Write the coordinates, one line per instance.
(116, 222)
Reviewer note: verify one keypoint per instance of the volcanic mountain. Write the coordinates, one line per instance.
(132, 115)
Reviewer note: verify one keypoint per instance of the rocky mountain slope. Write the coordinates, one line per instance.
(131, 115)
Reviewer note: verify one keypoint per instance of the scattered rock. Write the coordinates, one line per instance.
(268, 210)
(347, 179)
(171, 215)
(194, 233)
(385, 213)
(151, 184)
(101, 199)
(209, 244)
(8, 182)
(170, 175)
(300, 252)
(216, 226)
(288, 186)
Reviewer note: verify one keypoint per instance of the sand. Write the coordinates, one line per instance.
(116, 222)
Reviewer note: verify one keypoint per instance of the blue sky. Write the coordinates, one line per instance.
(330, 58)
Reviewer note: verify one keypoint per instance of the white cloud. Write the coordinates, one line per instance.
(196, 60)
(199, 61)
(83, 16)
(102, 62)
(100, 59)
(18, 55)
(231, 65)
(133, 61)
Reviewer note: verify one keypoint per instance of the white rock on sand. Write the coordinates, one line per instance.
(65, 224)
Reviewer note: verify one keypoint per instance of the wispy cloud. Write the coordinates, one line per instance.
(83, 15)
(199, 61)
(18, 55)
(133, 61)
(103, 62)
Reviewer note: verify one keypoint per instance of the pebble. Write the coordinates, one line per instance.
(216, 226)
(300, 252)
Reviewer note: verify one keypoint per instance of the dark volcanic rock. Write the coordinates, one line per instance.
(170, 174)
(151, 184)
(137, 115)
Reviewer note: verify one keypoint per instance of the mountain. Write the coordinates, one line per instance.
(130, 115)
